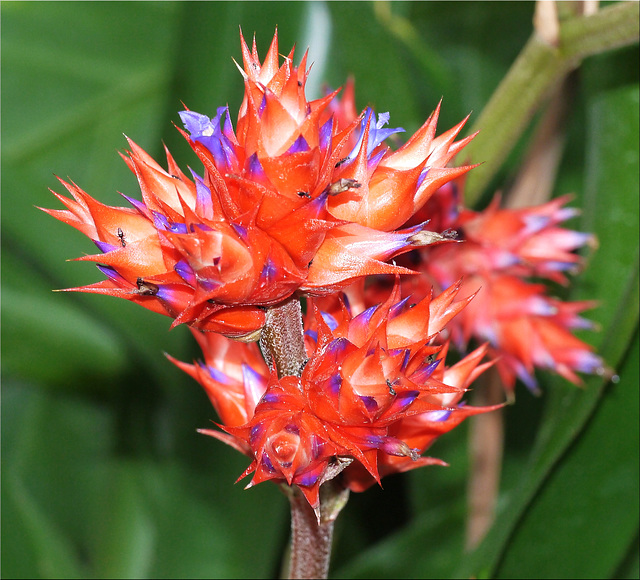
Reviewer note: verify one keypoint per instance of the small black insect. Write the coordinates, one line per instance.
(121, 236)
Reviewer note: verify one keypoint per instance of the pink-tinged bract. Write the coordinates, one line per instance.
(499, 254)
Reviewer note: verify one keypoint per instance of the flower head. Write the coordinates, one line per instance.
(499, 252)
(299, 198)
(372, 398)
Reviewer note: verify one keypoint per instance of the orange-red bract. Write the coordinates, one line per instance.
(300, 198)
(372, 398)
(501, 257)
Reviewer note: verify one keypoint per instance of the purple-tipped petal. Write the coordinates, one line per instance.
(300, 144)
(185, 271)
(105, 247)
(437, 416)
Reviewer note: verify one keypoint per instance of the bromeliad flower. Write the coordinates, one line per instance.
(500, 251)
(298, 199)
(373, 396)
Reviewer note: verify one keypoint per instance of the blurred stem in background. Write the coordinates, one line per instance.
(543, 63)
(540, 67)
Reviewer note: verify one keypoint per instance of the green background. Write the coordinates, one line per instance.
(103, 473)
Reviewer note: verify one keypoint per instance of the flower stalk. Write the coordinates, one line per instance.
(282, 345)
(539, 68)
(312, 533)
(282, 338)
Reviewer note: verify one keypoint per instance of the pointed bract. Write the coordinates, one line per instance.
(303, 197)
(372, 398)
(500, 252)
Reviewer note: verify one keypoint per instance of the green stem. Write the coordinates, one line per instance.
(539, 68)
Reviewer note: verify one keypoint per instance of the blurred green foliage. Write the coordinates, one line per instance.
(103, 472)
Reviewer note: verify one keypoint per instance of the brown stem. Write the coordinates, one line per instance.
(486, 434)
(282, 339)
(311, 532)
(282, 345)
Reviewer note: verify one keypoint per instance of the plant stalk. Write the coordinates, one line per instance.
(282, 345)
(282, 339)
(537, 70)
(311, 532)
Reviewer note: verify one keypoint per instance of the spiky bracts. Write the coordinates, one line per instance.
(373, 396)
(304, 199)
(502, 256)
(296, 200)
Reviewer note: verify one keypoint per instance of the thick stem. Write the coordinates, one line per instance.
(538, 69)
(282, 339)
(311, 532)
(282, 345)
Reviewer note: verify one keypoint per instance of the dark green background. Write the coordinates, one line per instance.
(103, 473)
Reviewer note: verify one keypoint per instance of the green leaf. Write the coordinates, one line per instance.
(124, 545)
(36, 547)
(611, 209)
(48, 447)
(70, 343)
(74, 84)
(590, 500)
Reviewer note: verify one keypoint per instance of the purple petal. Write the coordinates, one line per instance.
(370, 403)
(437, 416)
(424, 372)
(110, 272)
(266, 462)
(326, 132)
(376, 133)
(299, 145)
(218, 376)
(185, 271)
(329, 320)
(105, 247)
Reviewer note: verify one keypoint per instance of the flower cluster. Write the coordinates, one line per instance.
(304, 199)
(373, 396)
(293, 201)
(501, 252)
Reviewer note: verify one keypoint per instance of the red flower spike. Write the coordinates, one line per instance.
(373, 396)
(303, 198)
(500, 250)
